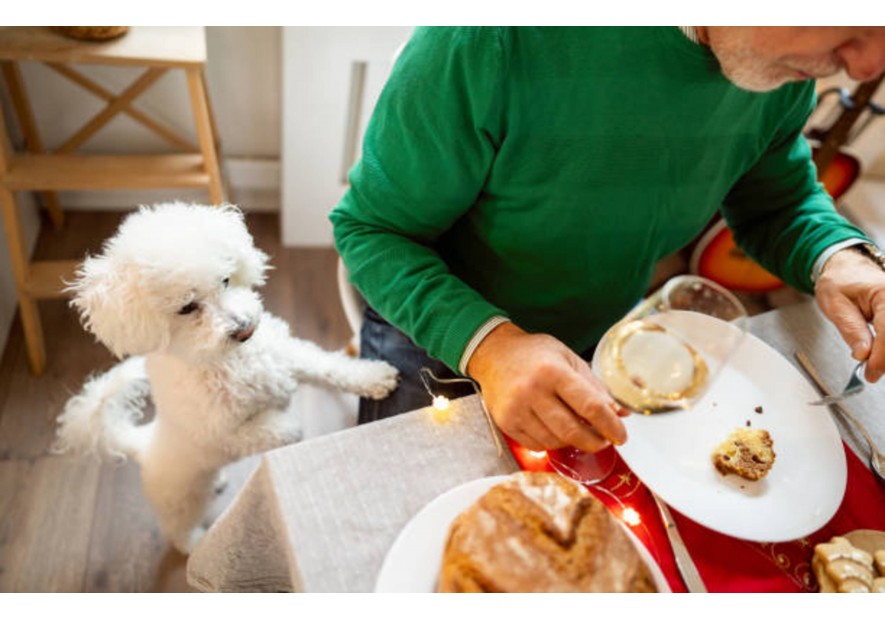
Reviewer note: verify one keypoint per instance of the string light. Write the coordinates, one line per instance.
(531, 460)
(630, 516)
(441, 403)
(441, 413)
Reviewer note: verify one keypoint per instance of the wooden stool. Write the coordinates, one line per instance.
(157, 50)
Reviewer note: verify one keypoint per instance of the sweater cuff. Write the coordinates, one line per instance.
(477, 338)
(827, 254)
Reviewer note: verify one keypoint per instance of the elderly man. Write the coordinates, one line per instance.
(518, 186)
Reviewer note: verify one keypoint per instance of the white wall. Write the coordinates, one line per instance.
(244, 80)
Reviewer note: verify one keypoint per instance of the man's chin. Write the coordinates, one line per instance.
(758, 84)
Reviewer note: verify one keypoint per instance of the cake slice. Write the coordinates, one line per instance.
(745, 452)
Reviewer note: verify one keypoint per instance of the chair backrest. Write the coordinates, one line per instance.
(351, 301)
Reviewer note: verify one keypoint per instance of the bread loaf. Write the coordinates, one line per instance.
(539, 532)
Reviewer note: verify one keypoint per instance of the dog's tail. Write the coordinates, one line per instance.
(103, 419)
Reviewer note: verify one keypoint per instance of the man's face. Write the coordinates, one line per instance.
(761, 58)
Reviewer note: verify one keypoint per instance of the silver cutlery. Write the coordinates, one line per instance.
(854, 386)
(877, 459)
(684, 563)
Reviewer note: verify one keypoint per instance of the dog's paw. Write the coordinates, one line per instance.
(292, 433)
(380, 379)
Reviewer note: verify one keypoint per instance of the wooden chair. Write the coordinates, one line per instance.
(157, 50)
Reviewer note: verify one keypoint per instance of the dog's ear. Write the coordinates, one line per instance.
(252, 263)
(113, 307)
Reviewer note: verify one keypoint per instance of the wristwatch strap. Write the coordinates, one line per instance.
(871, 252)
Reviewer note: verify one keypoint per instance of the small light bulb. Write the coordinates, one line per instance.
(531, 460)
(441, 402)
(631, 517)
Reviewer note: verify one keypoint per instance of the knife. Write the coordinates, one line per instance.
(684, 563)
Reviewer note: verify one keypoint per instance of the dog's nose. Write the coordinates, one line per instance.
(243, 332)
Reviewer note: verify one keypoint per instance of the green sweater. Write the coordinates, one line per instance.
(540, 173)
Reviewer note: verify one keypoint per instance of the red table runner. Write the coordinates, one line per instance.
(728, 564)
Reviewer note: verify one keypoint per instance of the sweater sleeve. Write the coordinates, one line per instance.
(427, 152)
(778, 211)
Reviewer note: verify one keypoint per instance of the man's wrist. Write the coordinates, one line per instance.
(869, 252)
(488, 354)
(484, 330)
(818, 268)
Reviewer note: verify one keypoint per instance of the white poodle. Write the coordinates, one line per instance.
(173, 290)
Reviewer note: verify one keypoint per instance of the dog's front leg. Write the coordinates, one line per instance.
(335, 369)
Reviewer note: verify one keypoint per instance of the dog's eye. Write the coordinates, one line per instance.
(191, 307)
(226, 282)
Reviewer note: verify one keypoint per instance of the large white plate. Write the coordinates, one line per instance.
(671, 452)
(412, 564)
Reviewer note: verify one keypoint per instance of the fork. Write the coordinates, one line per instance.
(877, 458)
(854, 386)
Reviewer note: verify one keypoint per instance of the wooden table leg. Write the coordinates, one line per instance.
(203, 120)
(22, 107)
(28, 311)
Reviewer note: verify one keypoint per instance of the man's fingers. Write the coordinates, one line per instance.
(590, 401)
(570, 429)
(522, 377)
(533, 435)
(527, 428)
(876, 360)
(851, 323)
(542, 432)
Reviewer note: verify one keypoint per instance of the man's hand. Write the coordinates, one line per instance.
(542, 394)
(851, 293)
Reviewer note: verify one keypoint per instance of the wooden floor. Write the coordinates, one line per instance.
(70, 525)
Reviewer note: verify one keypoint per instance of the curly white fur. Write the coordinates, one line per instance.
(173, 290)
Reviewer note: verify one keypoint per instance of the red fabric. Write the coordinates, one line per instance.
(729, 564)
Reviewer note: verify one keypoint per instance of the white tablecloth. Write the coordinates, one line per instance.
(321, 515)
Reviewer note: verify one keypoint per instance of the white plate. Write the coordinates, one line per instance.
(672, 452)
(412, 564)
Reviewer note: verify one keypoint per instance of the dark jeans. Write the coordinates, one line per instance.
(381, 340)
